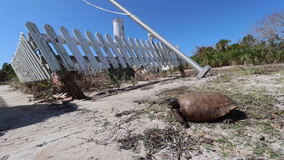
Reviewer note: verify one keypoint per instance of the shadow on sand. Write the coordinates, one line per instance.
(12, 117)
(116, 91)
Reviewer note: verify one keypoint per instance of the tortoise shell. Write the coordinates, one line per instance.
(205, 106)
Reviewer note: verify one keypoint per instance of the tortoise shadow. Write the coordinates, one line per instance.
(236, 115)
(232, 117)
(13, 117)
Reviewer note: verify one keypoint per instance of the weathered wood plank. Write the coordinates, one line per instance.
(24, 54)
(35, 58)
(96, 46)
(38, 72)
(71, 85)
(173, 59)
(166, 53)
(122, 49)
(17, 71)
(84, 44)
(21, 66)
(17, 65)
(142, 51)
(135, 48)
(130, 51)
(106, 49)
(43, 46)
(149, 54)
(115, 51)
(59, 47)
(154, 53)
(25, 66)
(163, 53)
(73, 48)
(23, 73)
(159, 52)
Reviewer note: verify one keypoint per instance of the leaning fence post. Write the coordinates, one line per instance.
(71, 85)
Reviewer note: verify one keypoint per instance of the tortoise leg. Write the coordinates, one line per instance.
(228, 120)
(180, 118)
(229, 117)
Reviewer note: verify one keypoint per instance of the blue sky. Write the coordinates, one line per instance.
(187, 23)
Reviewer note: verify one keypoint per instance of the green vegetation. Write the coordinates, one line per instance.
(248, 51)
(6, 73)
(263, 45)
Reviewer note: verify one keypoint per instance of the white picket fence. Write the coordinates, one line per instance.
(26, 63)
(31, 65)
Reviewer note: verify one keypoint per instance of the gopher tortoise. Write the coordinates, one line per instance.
(201, 106)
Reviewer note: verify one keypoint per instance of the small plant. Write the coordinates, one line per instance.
(208, 147)
(275, 155)
(114, 79)
(133, 81)
(259, 150)
(250, 70)
(225, 140)
(224, 152)
(91, 82)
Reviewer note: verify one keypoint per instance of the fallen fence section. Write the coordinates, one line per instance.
(26, 63)
(36, 58)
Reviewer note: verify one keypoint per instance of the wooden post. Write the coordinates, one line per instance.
(70, 84)
(181, 66)
(181, 70)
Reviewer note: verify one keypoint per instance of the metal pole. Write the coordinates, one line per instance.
(196, 66)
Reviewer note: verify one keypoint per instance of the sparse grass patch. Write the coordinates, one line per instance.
(174, 92)
(153, 111)
(222, 79)
(268, 129)
(259, 149)
(226, 141)
(275, 155)
(41, 90)
(136, 115)
(130, 143)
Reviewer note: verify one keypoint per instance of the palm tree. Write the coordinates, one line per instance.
(248, 41)
(207, 55)
(222, 45)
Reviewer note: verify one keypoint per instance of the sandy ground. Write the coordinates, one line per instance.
(84, 129)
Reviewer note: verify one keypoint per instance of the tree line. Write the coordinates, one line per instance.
(263, 45)
(6, 73)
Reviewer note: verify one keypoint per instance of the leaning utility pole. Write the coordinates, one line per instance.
(201, 71)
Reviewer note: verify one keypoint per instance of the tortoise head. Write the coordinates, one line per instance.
(175, 107)
(173, 103)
